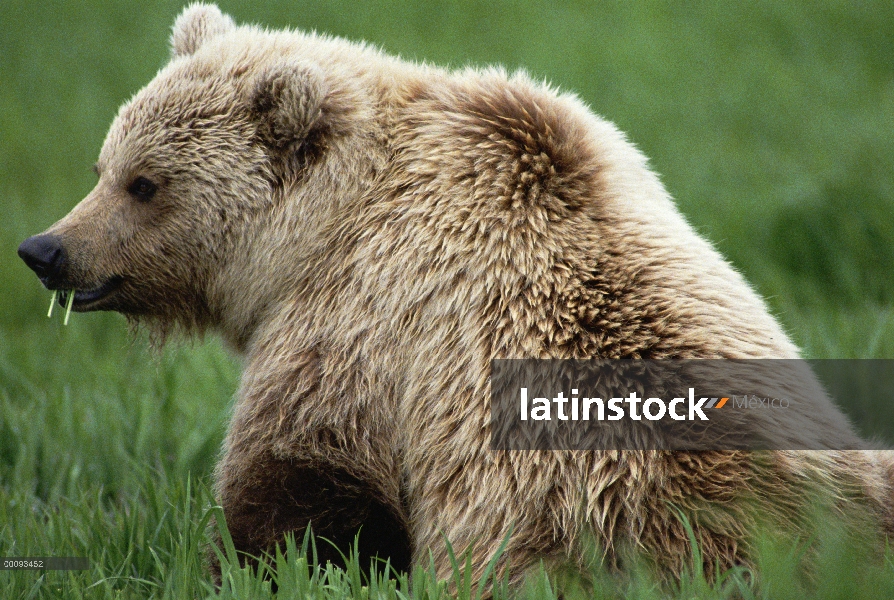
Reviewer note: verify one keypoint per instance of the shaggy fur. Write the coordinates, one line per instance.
(369, 234)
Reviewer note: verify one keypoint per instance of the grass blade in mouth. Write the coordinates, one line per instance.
(52, 303)
(71, 298)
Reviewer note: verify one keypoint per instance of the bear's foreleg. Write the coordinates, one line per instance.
(265, 496)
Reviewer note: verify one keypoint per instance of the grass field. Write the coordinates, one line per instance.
(772, 123)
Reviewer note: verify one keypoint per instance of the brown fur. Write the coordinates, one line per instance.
(369, 234)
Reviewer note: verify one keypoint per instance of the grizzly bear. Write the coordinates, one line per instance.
(369, 234)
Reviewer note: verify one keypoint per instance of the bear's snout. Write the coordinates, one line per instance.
(45, 255)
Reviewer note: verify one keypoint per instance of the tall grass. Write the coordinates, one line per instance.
(770, 122)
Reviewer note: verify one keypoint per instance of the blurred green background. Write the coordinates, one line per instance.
(771, 123)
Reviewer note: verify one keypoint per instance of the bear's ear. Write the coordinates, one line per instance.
(287, 102)
(196, 25)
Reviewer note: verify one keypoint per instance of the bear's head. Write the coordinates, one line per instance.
(193, 167)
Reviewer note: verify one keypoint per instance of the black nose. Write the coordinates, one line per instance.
(44, 254)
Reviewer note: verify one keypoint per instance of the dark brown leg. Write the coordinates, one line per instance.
(271, 496)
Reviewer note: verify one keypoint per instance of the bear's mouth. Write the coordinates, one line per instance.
(87, 299)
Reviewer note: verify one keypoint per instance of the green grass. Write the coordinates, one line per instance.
(770, 122)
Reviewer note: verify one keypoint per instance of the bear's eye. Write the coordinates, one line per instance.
(142, 189)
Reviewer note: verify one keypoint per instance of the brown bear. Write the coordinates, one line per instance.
(369, 234)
